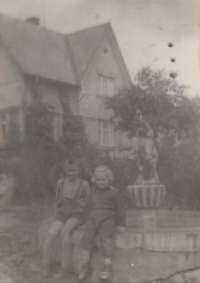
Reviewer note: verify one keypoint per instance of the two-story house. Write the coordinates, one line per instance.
(80, 69)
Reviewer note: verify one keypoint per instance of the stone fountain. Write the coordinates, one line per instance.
(146, 193)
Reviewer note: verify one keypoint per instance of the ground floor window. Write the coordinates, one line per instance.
(105, 133)
(3, 126)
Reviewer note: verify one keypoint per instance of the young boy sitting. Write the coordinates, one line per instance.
(107, 214)
(71, 197)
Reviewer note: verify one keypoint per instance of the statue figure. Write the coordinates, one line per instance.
(143, 149)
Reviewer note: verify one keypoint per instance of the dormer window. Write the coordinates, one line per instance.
(106, 85)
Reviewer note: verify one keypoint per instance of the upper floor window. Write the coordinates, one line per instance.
(106, 86)
(3, 127)
(105, 133)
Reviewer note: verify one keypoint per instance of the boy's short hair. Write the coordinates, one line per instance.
(72, 161)
(103, 170)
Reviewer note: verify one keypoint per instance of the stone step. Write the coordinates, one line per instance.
(163, 218)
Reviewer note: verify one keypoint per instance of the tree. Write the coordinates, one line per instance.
(174, 120)
(161, 101)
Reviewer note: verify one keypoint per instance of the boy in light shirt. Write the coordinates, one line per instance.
(71, 196)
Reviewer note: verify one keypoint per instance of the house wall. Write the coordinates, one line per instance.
(11, 80)
(12, 89)
(92, 104)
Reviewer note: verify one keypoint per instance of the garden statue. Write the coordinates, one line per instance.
(147, 192)
(144, 151)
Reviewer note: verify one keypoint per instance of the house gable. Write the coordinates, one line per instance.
(103, 64)
(85, 43)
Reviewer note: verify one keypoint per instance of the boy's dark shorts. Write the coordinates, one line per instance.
(67, 210)
(63, 218)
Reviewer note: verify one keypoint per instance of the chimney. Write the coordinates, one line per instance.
(33, 20)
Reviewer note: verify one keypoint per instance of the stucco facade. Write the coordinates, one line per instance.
(88, 67)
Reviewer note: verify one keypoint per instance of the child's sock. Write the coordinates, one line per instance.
(107, 260)
(85, 256)
(106, 270)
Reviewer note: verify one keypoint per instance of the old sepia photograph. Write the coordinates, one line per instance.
(99, 141)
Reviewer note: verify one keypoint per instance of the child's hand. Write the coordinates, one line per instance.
(120, 228)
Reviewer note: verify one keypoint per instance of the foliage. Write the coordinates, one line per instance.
(13, 135)
(45, 156)
(74, 136)
(161, 102)
(38, 128)
(178, 167)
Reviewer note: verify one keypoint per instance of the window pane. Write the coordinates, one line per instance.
(104, 86)
(105, 138)
(99, 136)
(105, 124)
(3, 117)
(110, 87)
(1, 135)
(3, 132)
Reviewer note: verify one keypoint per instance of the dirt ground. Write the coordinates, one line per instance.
(20, 258)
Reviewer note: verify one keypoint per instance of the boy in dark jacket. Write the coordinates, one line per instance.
(106, 215)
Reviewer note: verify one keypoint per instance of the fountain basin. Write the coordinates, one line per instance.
(146, 195)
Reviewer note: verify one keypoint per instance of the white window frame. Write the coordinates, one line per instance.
(3, 126)
(106, 85)
(105, 133)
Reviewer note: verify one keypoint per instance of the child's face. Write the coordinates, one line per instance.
(71, 170)
(102, 181)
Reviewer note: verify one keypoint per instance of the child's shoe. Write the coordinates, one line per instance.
(106, 272)
(84, 272)
(62, 272)
(46, 271)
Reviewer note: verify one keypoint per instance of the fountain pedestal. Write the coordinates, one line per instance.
(146, 195)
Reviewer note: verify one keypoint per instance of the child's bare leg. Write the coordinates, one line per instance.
(86, 243)
(85, 264)
(85, 256)
(107, 244)
(52, 234)
(68, 227)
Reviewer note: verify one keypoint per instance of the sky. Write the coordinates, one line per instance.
(143, 29)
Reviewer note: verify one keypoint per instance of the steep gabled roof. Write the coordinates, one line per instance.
(47, 54)
(84, 44)
(38, 51)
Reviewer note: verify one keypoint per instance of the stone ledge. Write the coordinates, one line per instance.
(164, 218)
(159, 240)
